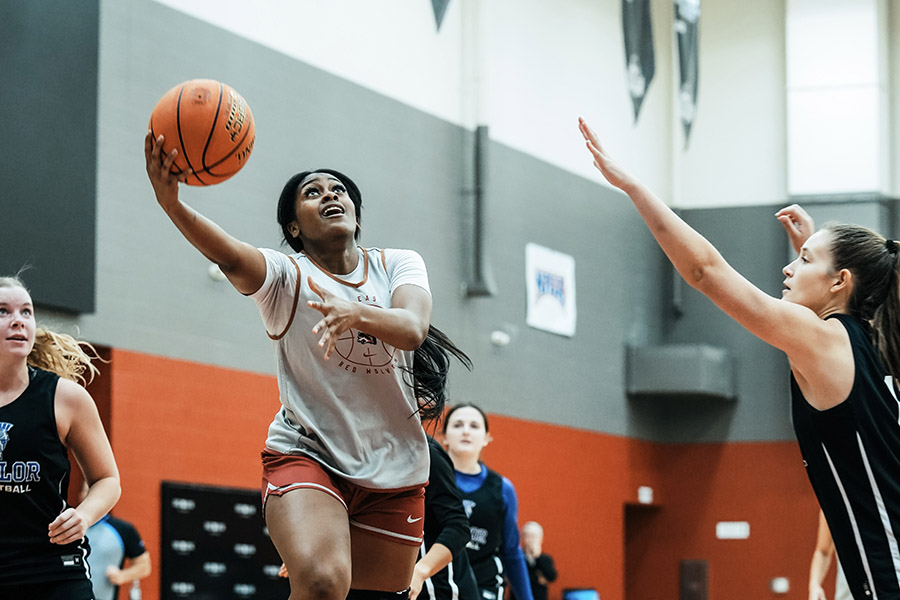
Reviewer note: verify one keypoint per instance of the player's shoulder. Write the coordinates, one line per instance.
(71, 393)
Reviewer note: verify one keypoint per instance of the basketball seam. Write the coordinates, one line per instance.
(184, 152)
(233, 150)
(212, 129)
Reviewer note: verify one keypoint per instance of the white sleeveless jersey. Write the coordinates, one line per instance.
(353, 413)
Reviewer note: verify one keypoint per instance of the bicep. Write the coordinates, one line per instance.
(82, 431)
(142, 564)
(248, 270)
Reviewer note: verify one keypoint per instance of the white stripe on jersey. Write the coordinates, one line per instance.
(429, 584)
(862, 551)
(882, 511)
(889, 382)
(500, 579)
(454, 589)
(84, 561)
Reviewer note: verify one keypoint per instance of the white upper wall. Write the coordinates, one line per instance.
(528, 69)
(389, 46)
(737, 153)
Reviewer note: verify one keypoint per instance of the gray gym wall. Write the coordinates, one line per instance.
(154, 295)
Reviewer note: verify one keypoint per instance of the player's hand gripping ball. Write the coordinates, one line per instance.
(210, 125)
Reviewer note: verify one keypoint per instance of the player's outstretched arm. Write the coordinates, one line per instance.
(787, 326)
(243, 264)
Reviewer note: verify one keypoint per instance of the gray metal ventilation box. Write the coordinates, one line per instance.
(680, 371)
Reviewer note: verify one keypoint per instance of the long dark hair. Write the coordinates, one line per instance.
(873, 261)
(431, 365)
(287, 204)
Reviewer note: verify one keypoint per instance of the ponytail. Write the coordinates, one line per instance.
(431, 364)
(886, 321)
(873, 261)
(64, 355)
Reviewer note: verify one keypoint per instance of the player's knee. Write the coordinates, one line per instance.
(320, 581)
(377, 595)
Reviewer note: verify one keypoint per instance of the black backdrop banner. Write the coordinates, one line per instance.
(687, 22)
(440, 7)
(215, 545)
(640, 60)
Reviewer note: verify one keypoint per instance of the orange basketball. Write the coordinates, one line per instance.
(210, 125)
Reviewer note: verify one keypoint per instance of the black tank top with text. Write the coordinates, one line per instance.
(852, 457)
(34, 481)
(485, 509)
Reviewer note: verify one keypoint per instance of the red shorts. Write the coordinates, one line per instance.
(394, 514)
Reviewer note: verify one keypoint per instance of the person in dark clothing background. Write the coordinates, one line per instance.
(541, 570)
(443, 571)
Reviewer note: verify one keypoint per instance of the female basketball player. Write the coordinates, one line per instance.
(492, 505)
(837, 321)
(346, 457)
(44, 413)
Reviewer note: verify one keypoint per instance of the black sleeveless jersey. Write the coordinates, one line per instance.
(852, 457)
(34, 482)
(446, 523)
(485, 509)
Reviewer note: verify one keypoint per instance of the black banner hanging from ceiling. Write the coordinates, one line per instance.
(687, 22)
(440, 7)
(640, 61)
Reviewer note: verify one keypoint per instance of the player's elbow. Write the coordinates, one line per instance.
(701, 273)
(413, 335)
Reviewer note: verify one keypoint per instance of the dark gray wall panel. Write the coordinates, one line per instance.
(48, 91)
(753, 242)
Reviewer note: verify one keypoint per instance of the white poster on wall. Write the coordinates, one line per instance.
(550, 284)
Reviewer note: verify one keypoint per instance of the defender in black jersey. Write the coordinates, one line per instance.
(42, 416)
(838, 321)
(446, 526)
(852, 460)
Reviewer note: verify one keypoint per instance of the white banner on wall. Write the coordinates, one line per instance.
(550, 284)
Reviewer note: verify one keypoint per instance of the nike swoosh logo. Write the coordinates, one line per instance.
(409, 519)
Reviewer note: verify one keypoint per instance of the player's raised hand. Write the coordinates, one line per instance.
(797, 223)
(611, 170)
